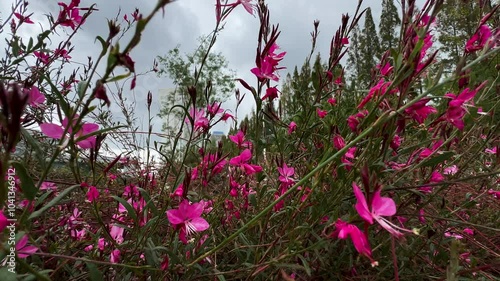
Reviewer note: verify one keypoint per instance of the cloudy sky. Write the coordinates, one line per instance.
(185, 20)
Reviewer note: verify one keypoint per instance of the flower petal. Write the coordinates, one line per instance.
(383, 206)
(200, 224)
(52, 130)
(175, 217)
(361, 206)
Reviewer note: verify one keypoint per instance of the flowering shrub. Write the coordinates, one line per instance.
(400, 182)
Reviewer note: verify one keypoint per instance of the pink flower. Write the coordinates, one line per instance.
(292, 127)
(271, 93)
(456, 108)
(354, 120)
(346, 230)
(42, 56)
(57, 132)
(3, 221)
(62, 53)
(35, 97)
(116, 232)
(377, 90)
(332, 101)
(23, 18)
(70, 14)
(345, 41)
(269, 64)
(491, 150)
(286, 175)
(92, 194)
(338, 142)
(46, 185)
(386, 69)
(214, 109)
(321, 113)
(201, 122)
(242, 160)
(478, 40)
(23, 249)
(115, 256)
(188, 218)
(239, 139)
(450, 170)
(419, 111)
(247, 4)
(265, 71)
(380, 207)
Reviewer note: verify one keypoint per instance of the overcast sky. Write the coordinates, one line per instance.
(185, 20)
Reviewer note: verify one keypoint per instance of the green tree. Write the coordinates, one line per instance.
(354, 58)
(370, 48)
(181, 68)
(388, 26)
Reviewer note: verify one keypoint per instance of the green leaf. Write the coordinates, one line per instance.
(53, 202)
(27, 185)
(305, 264)
(34, 144)
(6, 275)
(103, 44)
(130, 209)
(94, 273)
(438, 159)
(81, 88)
(119, 77)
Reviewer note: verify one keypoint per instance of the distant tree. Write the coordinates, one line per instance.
(389, 25)
(215, 83)
(370, 48)
(354, 59)
(181, 68)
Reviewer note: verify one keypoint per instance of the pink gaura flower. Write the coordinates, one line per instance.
(332, 101)
(346, 230)
(377, 90)
(115, 256)
(269, 64)
(62, 53)
(201, 122)
(42, 56)
(491, 150)
(265, 71)
(354, 120)
(247, 4)
(57, 132)
(451, 170)
(292, 127)
(23, 249)
(47, 185)
(379, 208)
(419, 111)
(188, 218)
(35, 97)
(386, 69)
(456, 107)
(23, 19)
(214, 109)
(321, 113)
(286, 175)
(3, 221)
(70, 14)
(345, 41)
(92, 194)
(271, 93)
(242, 160)
(239, 139)
(479, 39)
